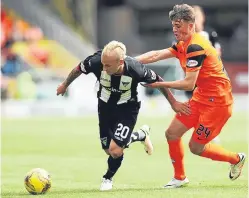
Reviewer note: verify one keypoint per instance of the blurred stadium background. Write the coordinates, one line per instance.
(42, 40)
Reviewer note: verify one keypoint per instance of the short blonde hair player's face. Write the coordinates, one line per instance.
(183, 21)
(113, 56)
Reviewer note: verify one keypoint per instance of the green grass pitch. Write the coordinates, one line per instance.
(69, 148)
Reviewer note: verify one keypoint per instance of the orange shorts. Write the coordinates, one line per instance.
(207, 120)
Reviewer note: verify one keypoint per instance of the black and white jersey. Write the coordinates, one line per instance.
(118, 89)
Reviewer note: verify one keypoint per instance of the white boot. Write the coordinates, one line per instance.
(175, 183)
(237, 168)
(148, 146)
(106, 184)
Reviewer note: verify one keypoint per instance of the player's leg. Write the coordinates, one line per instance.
(176, 152)
(122, 125)
(125, 122)
(130, 113)
(105, 130)
(114, 162)
(139, 135)
(142, 135)
(116, 150)
(180, 125)
(207, 129)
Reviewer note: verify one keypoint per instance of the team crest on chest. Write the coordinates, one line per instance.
(125, 83)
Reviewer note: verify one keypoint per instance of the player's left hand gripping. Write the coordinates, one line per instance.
(61, 89)
(180, 107)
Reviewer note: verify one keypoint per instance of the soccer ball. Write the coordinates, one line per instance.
(37, 181)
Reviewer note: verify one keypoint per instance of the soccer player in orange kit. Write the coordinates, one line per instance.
(211, 104)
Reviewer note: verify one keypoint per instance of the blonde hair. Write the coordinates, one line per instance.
(116, 47)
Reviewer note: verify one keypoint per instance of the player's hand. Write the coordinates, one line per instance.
(181, 107)
(61, 89)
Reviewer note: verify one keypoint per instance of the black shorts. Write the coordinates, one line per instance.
(117, 122)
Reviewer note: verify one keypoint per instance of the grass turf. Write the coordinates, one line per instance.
(69, 148)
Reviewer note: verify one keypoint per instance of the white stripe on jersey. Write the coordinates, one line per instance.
(124, 88)
(125, 85)
(105, 94)
(105, 81)
(125, 97)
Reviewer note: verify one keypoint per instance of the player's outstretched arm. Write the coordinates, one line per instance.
(62, 88)
(90, 65)
(154, 56)
(178, 107)
(167, 93)
(148, 76)
(188, 83)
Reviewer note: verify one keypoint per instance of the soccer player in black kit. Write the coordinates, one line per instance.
(118, 104)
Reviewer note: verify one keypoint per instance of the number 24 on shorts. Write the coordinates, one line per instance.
(202, 131)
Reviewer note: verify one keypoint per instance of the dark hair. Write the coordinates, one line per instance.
(182, 12)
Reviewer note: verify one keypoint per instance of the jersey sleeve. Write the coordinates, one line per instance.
(91, 63)
(195, 57)
(144, 74)
(173, 49)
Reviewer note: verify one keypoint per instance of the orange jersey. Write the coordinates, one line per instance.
(213, 85)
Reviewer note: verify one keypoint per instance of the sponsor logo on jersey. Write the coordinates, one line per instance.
(114, 90)
(192, 63)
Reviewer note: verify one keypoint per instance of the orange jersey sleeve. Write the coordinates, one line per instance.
(173, 49)
(195, 57)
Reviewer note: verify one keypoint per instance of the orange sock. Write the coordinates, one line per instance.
(217, 153)
(176, 153)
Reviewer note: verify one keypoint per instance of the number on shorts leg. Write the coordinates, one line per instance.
(122, 131)
(203, 130)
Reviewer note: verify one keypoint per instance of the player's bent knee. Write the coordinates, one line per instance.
(171, 134)
(196, 148)
(116, 153)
